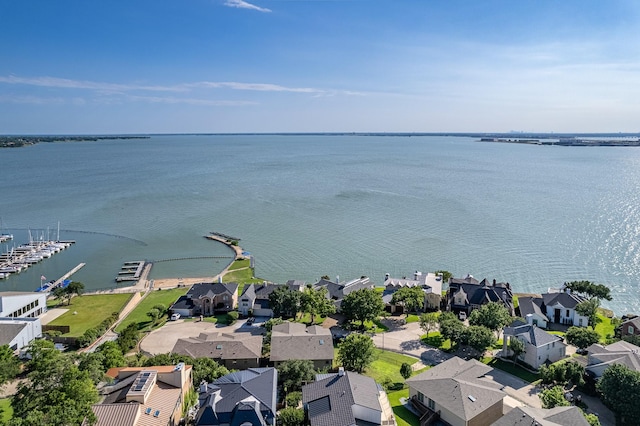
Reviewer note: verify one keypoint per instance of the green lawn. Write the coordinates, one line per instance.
(412, 318)
(404, 417)
(5, 409)
(436, 340)
(139, 314)
(387, 366)
(510, 368)
(604, 328)
(240, 272)
(89, 311)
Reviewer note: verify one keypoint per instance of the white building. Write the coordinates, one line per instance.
(19, 332)
(17, 304)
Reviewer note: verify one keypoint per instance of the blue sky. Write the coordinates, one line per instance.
(165, 66)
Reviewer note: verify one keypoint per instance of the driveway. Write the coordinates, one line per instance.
(162, 340)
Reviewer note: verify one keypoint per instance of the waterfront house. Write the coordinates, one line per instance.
(430, 283)
(233, 350)
(540, 347)
(457, 392)
(560, 306)
(600, 357)
(346, 399)
(246, 397)
(530, 416)
(467, 294)
(207, 299)
(143, 396)
(336, 291)
(254, 299)
(293, 340)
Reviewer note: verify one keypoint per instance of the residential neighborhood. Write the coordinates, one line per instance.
(431, 349)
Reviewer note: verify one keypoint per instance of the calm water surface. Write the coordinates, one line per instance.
(347, 206)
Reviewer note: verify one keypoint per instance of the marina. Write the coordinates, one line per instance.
(17, 259)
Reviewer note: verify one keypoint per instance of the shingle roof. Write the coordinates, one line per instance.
(249, 291)
(330, 401)
(558, 416)
(222, 396)
(534, 335)
(220, 346)
(566, 300)
(296, 341)
(458, 386)
(620, 352)
(211, 289)
(531, 305)
(8, 331)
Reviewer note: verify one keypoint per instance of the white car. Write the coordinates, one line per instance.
(175, 317)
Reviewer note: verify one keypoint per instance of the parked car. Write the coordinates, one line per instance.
(250, 320)
(175, 317)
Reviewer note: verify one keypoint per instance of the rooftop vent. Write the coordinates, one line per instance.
(472, 398)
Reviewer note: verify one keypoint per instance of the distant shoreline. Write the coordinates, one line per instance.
(22, 141)
(566, 141)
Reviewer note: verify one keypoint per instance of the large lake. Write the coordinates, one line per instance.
(346, 206)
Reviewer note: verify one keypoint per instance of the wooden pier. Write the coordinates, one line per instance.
(67, 275)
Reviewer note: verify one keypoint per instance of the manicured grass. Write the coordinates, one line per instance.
(241, 273)
(5, 409)
(139, 313)
(412, 318)
(604, 328)
(516, 303)
(90, 311)
(436, 340)
(386, 366)
(371, 326)
(404, 417)
(511, 369)
(306, 319)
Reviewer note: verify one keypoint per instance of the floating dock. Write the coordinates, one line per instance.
(62, 281)
(131, 271)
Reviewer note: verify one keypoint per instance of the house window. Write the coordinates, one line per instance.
(225, 297)
(431, 404)
(580, 322)
(630, 330)
(420, 397)
(553, 345)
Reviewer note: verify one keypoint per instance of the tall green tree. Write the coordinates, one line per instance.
(516, 346)
(553, 397)
(589, 289)
(113, 355)
(411, 297)
(57, 393)
(356, 352)
(362, 305)
(406, 370)
(493, 315)
(478, 337)
(581, 337)
(290, 417)
(315, 302)
(589, 309)
(429, 321)
(285, 302)
(451, 327)
(293, 373)
(619, 389)
(9, 365)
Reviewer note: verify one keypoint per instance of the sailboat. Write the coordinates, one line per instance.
(3, 235)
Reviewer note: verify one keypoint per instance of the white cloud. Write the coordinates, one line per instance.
(241, 4)
(33, 100)
(116, 88)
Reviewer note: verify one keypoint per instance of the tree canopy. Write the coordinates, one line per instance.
(451, 327)
(492, 315)
(285, 302)
(589, 309)
(619, 388)
(9, 364)
(356, 352)
(293, 373)
(411, 297)
(428, 321)
(57, 392)
(478, 337)
(446, 275)
(362, 305)
(581, 337)
(589, 289)
(553, 397)
(315, 302)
